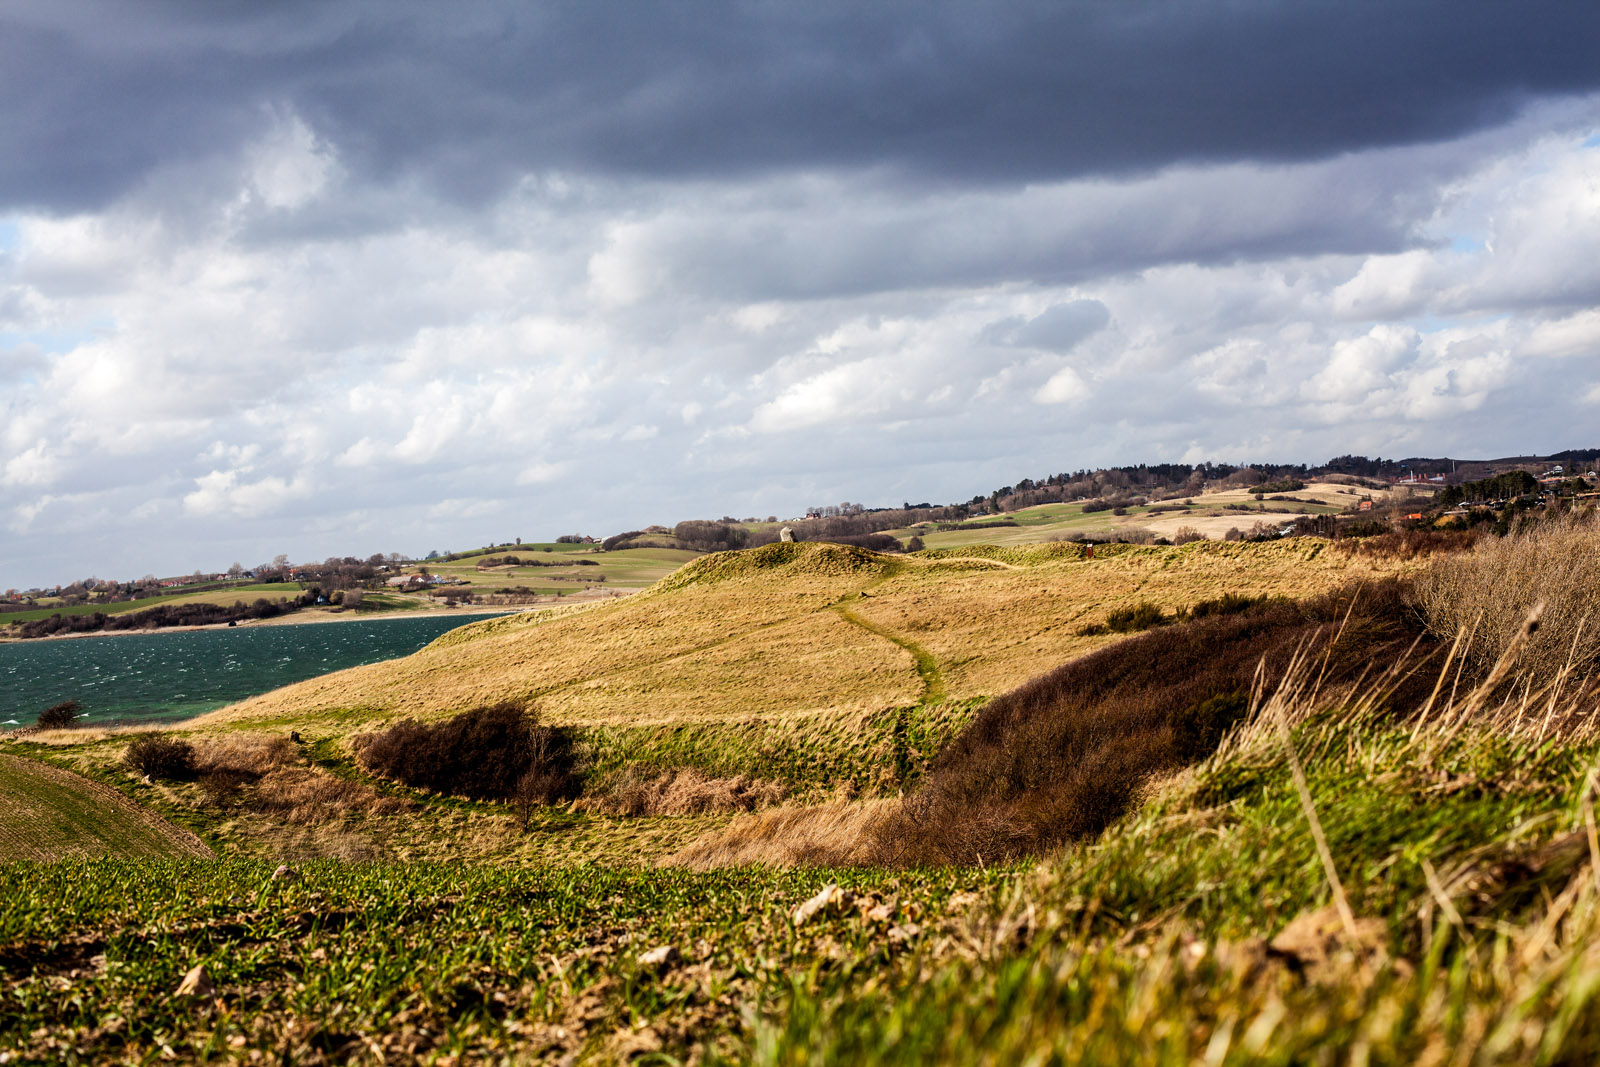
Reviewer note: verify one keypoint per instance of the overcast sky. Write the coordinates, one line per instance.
(339, 278)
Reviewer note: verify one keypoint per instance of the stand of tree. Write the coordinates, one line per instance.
(1507, 486)
(159, 617)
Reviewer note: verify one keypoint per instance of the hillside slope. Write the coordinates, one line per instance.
(809, 629)
(47, 813)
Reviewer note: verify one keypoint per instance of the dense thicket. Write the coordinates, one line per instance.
(158, 756)
(496, 752)
(1501, 487)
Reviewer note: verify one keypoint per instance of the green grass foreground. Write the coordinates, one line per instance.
(414, 960)
(1465, 853)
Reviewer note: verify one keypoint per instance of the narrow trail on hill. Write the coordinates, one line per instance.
(933, 687)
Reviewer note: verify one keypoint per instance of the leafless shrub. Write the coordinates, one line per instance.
(156, 756)
(486, 753)
(638, 791)
(1185, 534)
(1488, 593)
(62, 716)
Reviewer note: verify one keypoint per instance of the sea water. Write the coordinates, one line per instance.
(169, 676)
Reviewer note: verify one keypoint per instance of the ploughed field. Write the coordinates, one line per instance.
(47, 813)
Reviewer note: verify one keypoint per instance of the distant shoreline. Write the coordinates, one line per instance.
(292, 619)
(315, 617)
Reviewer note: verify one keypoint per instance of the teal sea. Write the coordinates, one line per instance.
(168, 676)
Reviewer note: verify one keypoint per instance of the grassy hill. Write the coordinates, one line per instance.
(47, 813)
(815, 631)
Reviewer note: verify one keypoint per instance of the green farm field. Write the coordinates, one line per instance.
(559, 570)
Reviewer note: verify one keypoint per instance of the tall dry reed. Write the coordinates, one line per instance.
(1484, 596)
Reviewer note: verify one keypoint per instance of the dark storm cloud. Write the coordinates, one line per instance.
(98, 96)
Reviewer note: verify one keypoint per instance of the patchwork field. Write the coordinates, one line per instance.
(559, 569)
(1211, 514)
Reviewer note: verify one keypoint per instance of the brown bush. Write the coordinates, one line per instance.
(638, 791)
(62, 716)
(1488, 593)
(1063, 755)
(156, 756)
(485, 754)
(1226, 604)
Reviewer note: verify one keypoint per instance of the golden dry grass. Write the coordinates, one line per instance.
(843, 832)
(251, 754)
(305, 795)
(992, 629)
(636, 792)
(1485, 595)
(787, 629)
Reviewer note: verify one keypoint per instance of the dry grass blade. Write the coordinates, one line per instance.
(1280, 717)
